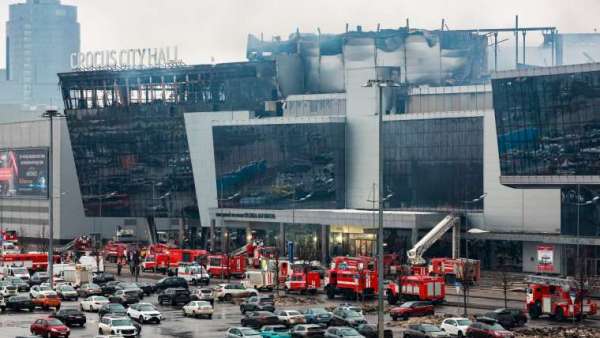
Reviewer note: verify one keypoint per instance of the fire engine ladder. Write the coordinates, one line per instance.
(239, 251)
(415, 255)
(67, 246)
(564, 283)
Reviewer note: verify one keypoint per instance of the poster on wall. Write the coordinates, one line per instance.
(545, 258)
(24, 173)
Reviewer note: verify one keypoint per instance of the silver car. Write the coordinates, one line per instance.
(242, 332)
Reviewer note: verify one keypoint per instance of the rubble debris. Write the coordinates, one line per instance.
(557, 332)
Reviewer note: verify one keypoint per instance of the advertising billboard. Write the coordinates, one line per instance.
(24, 173)
(545, 258)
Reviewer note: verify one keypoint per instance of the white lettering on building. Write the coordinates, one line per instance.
(126, 58)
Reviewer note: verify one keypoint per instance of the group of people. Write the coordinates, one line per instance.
(132, 258)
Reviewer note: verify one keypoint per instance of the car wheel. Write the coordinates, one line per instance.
(209, 316)
(405, 317)
(99, 331)
(394, 318)
(227, 298)
(460, 334)
(141, 319)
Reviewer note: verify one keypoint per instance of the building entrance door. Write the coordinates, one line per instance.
(363, 247)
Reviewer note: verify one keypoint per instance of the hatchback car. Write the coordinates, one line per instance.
(198, 308)
(242, 332)
(307, 330)
(489, 328)
(343, 317)
(49, 327)
(412, 309)
(342, 332)
(424, 331)
(93, 303)
(275, 331)
(258, 319)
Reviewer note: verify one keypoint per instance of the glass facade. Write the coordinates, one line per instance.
(548, 125)
(577, 208)
(280, 166)
(128, 133)
(433, 163)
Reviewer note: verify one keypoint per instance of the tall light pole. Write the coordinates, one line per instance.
(473, 202)
(380, 84)
(50, 115)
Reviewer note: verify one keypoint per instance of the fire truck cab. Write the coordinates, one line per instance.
(225, 266)
(559, 298)
(303, 282)
(416, 287)
(352, 277)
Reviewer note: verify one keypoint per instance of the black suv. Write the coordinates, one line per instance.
(70, 317)
(174, 296)
(20, 302)
(255, 303)
(103, 277)
(171, 282)
(508, 318)
(115, 309)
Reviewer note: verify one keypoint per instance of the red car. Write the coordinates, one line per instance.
(489, 329)
(412, 309)
(49, 328)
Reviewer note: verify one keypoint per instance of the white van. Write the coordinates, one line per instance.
(260, 280)
(16, 271)
(193, 274)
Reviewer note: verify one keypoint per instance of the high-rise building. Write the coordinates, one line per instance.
(40, 37)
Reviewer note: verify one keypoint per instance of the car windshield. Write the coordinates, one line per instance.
(20, 270)
(497, 327)
(100, 299)
(66, 288)
(319, 311)
(116, 307)
(92, 286)
(353, 314)
(430, 328)
(406, 304)
(70, 311)
(293, 313)
(249, 332)
(42, 275)
(45, 288)
(348, 332)
(121, 322)
(147, 307)
(54, 322)
(463, 322)
(203, 303)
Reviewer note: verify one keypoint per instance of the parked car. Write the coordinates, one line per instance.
(171, 282)
(456, 326)
(19, 303)
(49, 328)
(307, 330)
(133, 287)
(117, 325)
(38, 278)
(174, 296)
(317, 316)
(22, 286)
(197, 308)
(46, 301)
(227, 292)
(89, 289)
(242, 332)
(370, 331)
(508, 318)
(412, 309)
(275, 331)
(41, 289)
(344, 317)
(148, 288)
(257, 303)
(70, 317)
(424, 331)
(206, 294)
(67, 292)
(346, 306)
(102, 277)
(290, 317)
(487, 328)
(144, 313)
(93, 303)
(110, 287)
(7, 289)
(342, 332)
(258, 319)
(114, 309)
(125, 297)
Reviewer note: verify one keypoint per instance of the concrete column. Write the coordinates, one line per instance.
(212, 236)
(324, 243)
(456, 240)
(282, 239)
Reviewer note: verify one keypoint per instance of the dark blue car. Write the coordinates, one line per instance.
(317, 316)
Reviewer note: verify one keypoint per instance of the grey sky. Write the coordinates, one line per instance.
(218, 28)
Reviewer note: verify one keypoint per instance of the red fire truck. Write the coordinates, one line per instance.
(559, 298)
(34, 261)
(430, 288)
(114, 250)
(224, 266)
(353, 277)
(303, 281)
(462, 269)
(170, 259)
(10, 236)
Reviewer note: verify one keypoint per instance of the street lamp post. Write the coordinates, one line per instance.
(473, 202)
(380, 84)
(50, 115)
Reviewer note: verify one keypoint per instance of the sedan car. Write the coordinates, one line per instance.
(70, 317)
(67, 292)
(89, 289)
(103, 277)
(49, 327)
(197, 308)
(290, 317)
(22, 286)
(258, 319)
(342, 332)
(93, 303)
(256, 303)
(317, 316)
(343, 317)
(412, 309)
(307, 330)
(114, 309)
(47, 301)
(109, 288)
(20, 302)
(456, 326)
(275, 331)
(242, 332)
(148, 288)
(370, 331)
(144, 313)
(38, 278)
(489, 328)
(508, 318)
(424, 331)
(133, 287)
(37, 290)
(227, 292)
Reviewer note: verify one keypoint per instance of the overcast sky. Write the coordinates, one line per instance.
(218, 28)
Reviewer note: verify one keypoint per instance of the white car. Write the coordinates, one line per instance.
(144, 313)
(245, 332)
(290, 317)
(93, 303)
(117, 325)
(456, 326)
(39, 290)
(7, 290)
(198, 308)
(229, 291)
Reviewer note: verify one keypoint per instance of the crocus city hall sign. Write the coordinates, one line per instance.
(126, 58)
